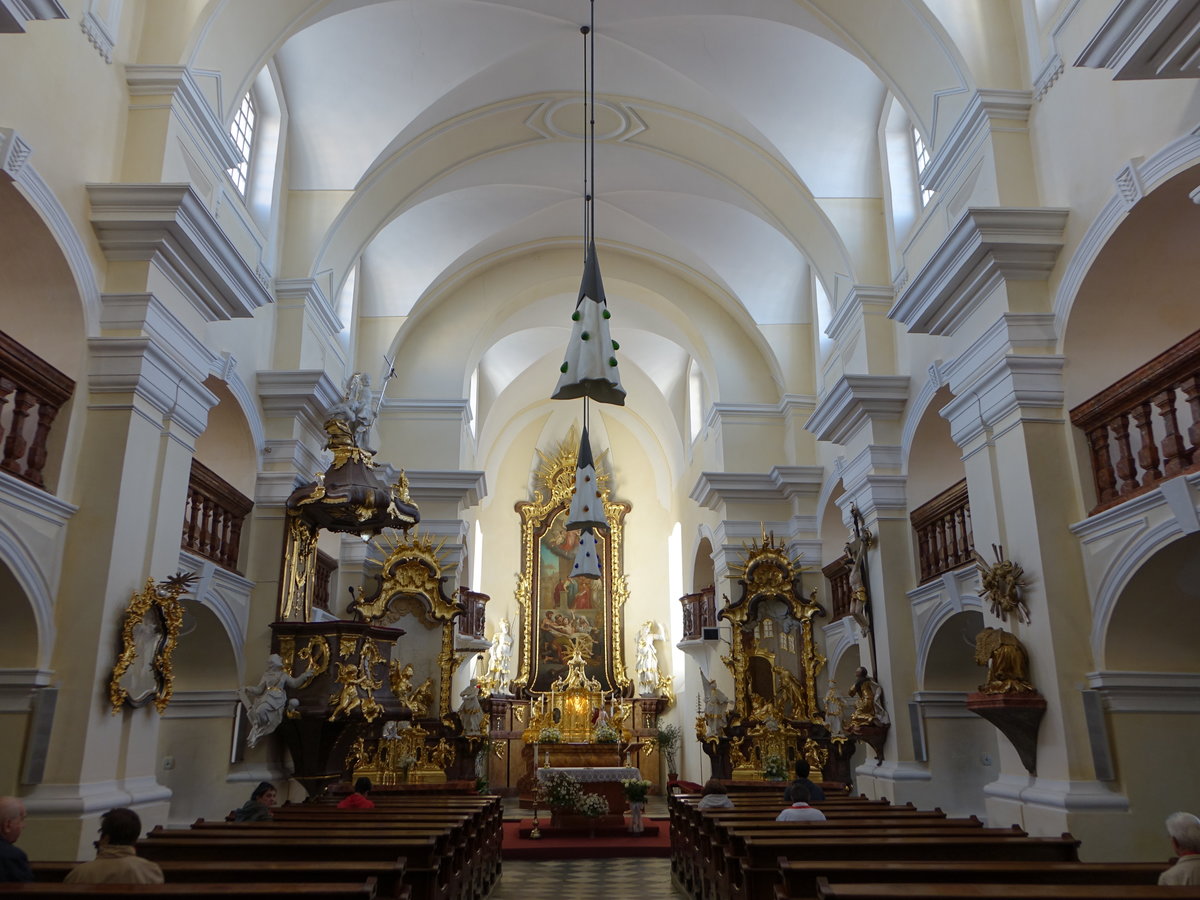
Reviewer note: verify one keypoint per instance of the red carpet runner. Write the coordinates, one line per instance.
(585, 847)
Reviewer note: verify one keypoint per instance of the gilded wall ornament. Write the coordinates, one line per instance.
(1007, 661)
(1002, 584)
(153, 619)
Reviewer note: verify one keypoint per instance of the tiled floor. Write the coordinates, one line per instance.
(586, 879)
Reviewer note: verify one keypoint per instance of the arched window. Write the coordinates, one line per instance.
(921, 161)
(242, 130)
(695, 400)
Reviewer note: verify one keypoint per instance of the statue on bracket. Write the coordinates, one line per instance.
(856, 550)
(500, 659)
(267, 702)
(716, 708)
(471, 712)
(647, 659)
(869, 707)
(1007, 662)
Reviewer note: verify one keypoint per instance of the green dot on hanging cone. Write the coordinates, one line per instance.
(612, 361)
(575, 316)
(606, 314)
(616, 346)
(585, 336)
(563, 368)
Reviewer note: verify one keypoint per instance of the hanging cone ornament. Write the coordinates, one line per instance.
(590, 368)
(587, 509)
(587, 560)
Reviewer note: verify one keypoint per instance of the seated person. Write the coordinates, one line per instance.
(800, 811)
(358, 800)
(714, 796)
(816, 793)
(1184, 829)
(14, 864)
(258, 807)
(116, 859)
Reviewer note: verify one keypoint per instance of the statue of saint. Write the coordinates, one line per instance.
(834, 707)
(868, 701)
(501, 658)
(1007, 661)
(716, 709)
(471, 713)
(266, 702)
(647, 659)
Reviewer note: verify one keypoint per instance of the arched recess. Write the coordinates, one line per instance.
(21, 668)
(1150, 679)
(197, 728)
(934, 461)
(227, 444)
(41, 307)
(961, 747)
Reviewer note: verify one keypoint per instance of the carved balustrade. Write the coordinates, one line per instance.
(699, 612)
(1133, 429)
(945, 540)
(837, 573)
(213, 517)
(31, 393)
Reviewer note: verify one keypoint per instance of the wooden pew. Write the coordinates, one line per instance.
(800, 876)
(827, 891)
(754, 873)
(260, 891)
(389, 876)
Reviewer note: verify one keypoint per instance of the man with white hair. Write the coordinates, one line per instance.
(14, 864)
(1184, 829)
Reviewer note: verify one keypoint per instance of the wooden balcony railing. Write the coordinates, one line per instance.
(699, 612)
(1127, 461)
(945, 540)
(471, 623)
(213, 517)
(38, 391)
(837, 573)
(323, 579)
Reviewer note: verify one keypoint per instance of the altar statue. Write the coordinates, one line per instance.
(471, 713)
(647, 659)
(835, 706)
(501, 658)
(266, 702)
(869, 708)
(716, 708)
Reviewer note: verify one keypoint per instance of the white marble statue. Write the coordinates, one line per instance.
(471, 713)
(500, 661)
(835, 707)
(647, 659)
(716, 708)
(266, 702)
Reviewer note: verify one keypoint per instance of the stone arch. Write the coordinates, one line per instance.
(703, 574)
(228, 444)
(27, 603)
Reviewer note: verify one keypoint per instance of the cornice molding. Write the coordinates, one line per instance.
(146, 314)
(308, 295)
(877, 496)
(973, 126)
(855, 400)
(760, 413)
(782, 483)
(1032, 333)
(22, 496)
(1148, 692)
(1147, 39)
(169, 225)
(984, 248)
(306, 395)
(15, 13)
(189, 102)
(425, 409)
(201, 705)
(1031, 386)
(862, 301)
(466, 487)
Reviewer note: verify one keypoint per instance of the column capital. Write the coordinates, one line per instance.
(714, 489)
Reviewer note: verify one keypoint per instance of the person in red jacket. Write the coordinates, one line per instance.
(358, 800)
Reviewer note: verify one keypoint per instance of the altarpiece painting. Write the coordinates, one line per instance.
(555, 608)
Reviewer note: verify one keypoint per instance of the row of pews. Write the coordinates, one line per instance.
(423, 847)
(871, 849)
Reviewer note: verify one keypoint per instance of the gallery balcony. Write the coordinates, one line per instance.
(31, 393)
(213, 517)
(1133, 427)
(944, 537)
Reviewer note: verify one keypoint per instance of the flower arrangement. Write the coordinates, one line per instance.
(606, 734)
(592, 806)
(549, 735)
(560, 791)
(667, 742)
(773, 769)
(636, 789)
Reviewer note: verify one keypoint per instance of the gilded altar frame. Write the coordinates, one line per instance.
(596, 607)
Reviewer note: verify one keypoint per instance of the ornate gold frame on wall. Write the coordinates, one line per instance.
(159, 604)
(553, 486)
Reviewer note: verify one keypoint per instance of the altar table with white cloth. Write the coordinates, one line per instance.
(602, 780)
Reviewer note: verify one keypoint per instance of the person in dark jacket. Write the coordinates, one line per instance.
(258, 807)
(815, 793)
(14, 864)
